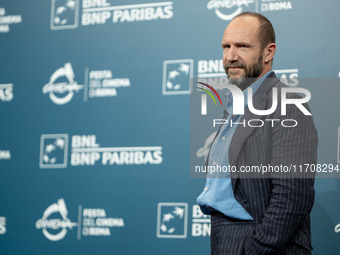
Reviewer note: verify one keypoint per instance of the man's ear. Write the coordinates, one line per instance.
(269, 52)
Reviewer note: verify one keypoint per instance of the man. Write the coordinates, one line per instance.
(251, 214)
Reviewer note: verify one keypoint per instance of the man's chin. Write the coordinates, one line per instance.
(236, 80)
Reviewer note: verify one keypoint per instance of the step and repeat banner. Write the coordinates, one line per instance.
(95, 119)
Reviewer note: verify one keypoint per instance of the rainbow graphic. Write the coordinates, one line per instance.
(208, 92)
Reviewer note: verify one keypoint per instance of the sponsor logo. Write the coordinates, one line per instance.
(228, 9)
(2, 225)
(91, 222)
(55, 229)
(210, 68)
(99, 12)
(85, 151)
(212, 72)
(6, 92)
(5, 155)
(62, 86)
(53, 151)
(95, 222)
(7, 20)
(209, 72)
(200, 223)
(64, 14)
(101, 83)
(98, 84)
(275, 5)
(177, 75)
(172, 221)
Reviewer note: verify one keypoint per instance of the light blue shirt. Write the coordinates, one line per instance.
(218, 193)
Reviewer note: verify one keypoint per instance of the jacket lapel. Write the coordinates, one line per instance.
(243, 132)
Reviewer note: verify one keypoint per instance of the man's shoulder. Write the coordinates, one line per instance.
(274, 82)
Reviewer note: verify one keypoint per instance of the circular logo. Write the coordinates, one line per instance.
(234, 7)
(55, 225)
(65, 89)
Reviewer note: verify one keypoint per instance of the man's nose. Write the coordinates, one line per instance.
(232, 54)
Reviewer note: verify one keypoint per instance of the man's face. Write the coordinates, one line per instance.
(242, 51)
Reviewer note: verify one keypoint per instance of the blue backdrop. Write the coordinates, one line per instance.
(95, 110)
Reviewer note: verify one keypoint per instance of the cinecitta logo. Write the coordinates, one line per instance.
(91, 222)
(61, 225)
(228, 4)
(65, 90)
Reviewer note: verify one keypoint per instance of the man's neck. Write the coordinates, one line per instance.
(249, 81)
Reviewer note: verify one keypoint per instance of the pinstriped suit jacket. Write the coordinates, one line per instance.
(279, 205)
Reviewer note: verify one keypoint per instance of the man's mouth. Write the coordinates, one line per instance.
(233, 69)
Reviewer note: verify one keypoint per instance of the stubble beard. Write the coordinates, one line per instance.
(249, 76)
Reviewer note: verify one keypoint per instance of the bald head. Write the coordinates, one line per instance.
(266, 33)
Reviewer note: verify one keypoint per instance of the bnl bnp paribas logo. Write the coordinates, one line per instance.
(53, 151)
(65, 13)
(86, 151)
(172, 221)
(177, 76)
